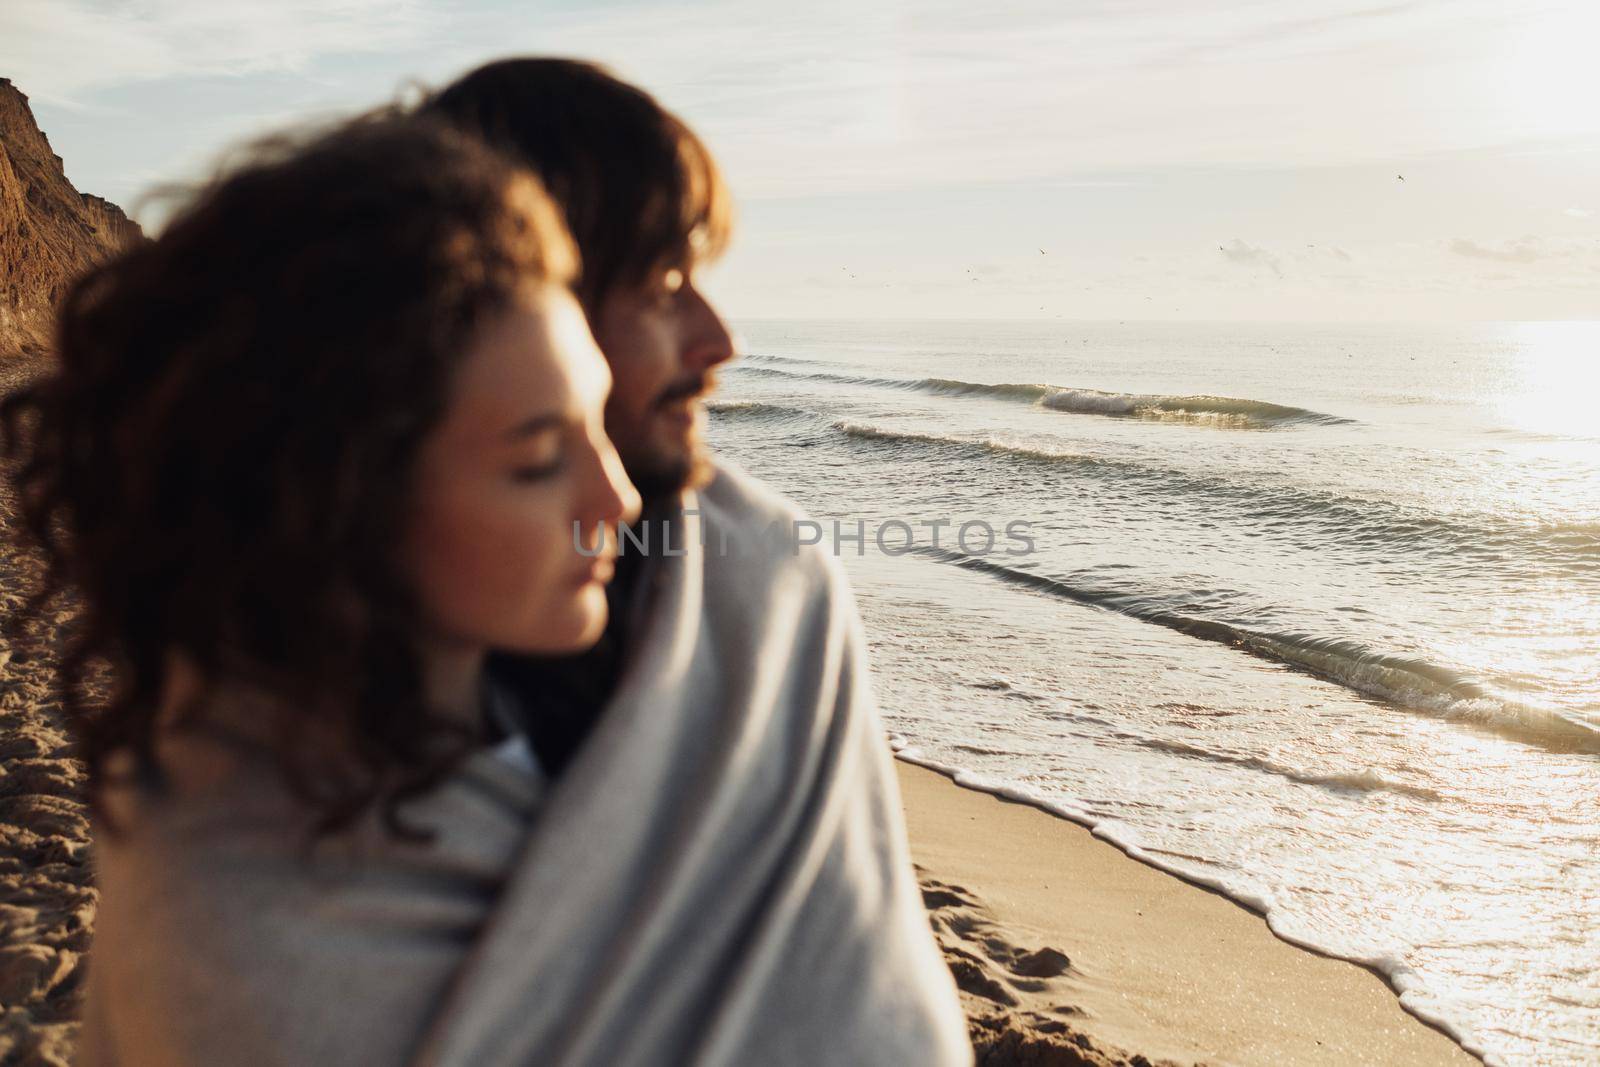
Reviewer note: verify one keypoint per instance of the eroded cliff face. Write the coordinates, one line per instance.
(49, 232)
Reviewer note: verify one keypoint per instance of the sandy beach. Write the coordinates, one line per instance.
(1155, 968)
(47, 900)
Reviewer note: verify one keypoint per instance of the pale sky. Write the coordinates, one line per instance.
(1143, 159)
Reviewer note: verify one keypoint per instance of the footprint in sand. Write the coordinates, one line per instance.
(1017, 1000)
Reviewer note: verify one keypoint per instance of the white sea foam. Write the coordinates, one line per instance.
(1441, 1012)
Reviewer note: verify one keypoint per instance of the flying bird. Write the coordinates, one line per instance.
(1041, 251)
(1402, 177)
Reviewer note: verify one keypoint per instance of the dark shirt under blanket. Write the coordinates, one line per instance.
(556, 700)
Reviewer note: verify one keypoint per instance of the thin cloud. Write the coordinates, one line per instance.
(855, 98)
(1578, 213)
(1249, 255)
(1520, 250)
(60, 50)
(1320, 254)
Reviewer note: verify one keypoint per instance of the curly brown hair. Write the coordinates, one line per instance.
(218, 461)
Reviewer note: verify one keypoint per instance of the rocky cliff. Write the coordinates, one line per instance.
(49, 232)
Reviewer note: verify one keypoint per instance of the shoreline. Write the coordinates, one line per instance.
(1160, 967)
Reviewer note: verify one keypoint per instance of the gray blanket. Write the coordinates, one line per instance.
(720, 876)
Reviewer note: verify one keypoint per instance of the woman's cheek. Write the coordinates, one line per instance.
(535, 546)
(557, 612)
(480, 560)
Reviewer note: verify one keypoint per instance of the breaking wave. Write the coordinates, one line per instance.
(1360, 524)
(1221, 411)
(1407, 682)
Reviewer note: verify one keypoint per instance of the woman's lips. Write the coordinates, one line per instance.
(599, 570)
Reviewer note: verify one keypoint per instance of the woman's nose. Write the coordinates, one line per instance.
(609, 497)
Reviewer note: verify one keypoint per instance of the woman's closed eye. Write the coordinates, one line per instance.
(542, 455)
(537, 472)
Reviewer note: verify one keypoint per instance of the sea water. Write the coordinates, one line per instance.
(1307, 614)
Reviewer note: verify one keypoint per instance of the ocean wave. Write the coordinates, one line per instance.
(754, 409)
(1363, 780)
(1400, 680)
(1221, 411)
(1355, 523)
(868, 432)
(1577, 536)
(760, 357)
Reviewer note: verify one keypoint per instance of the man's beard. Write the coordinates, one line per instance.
(658, 476)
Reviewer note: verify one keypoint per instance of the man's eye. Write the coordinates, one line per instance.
(668, 288)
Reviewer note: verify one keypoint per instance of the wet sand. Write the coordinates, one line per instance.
(1068, 951)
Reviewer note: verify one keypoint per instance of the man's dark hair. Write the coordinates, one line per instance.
(219, 459)
(641, 192)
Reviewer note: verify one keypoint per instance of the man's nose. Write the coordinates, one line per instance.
(708, 341)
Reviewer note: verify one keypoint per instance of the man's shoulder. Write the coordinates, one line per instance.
(753, 529)
(736, 500)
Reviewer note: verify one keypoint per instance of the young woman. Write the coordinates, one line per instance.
(306, 458)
